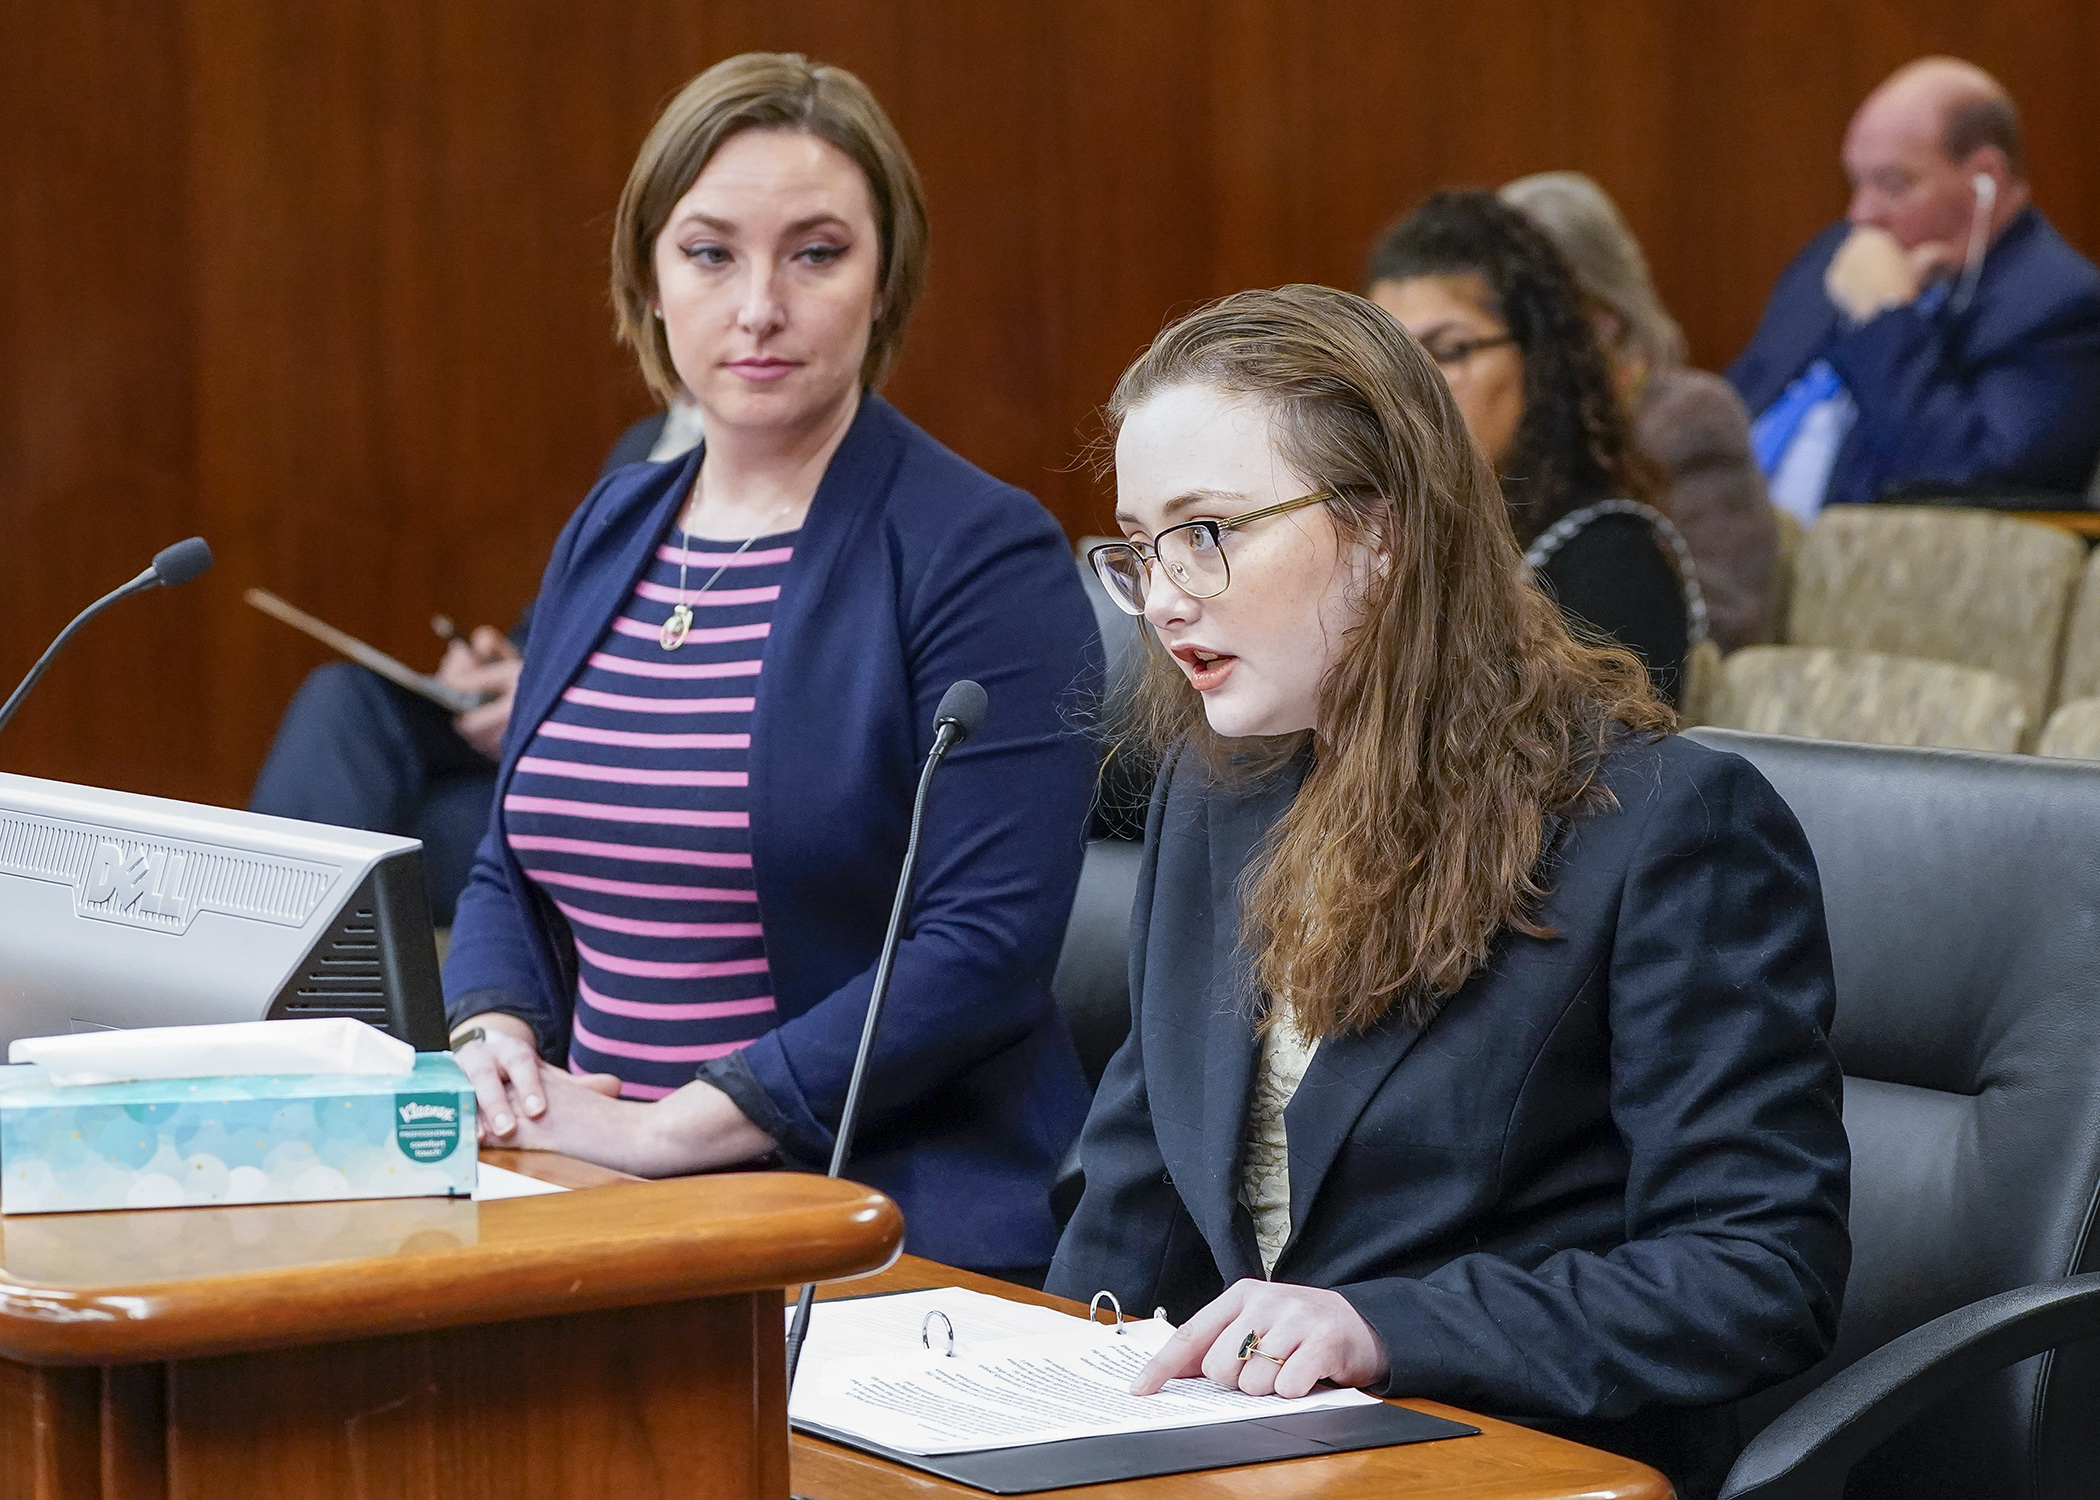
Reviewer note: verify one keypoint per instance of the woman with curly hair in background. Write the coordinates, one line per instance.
(1497, 308)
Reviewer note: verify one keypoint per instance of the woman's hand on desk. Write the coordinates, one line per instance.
(694, 1129)
(1314, 1332)
(504, 1067)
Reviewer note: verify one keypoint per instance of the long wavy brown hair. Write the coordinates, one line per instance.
(1460, 711)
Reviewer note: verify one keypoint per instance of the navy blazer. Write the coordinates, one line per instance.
(912, 570)
(1609, 1175)
(2005, 392)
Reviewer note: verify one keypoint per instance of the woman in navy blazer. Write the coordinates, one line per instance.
(1478, 1044)
(909, 570)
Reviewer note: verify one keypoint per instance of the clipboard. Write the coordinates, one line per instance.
(1035, 1467)
(422, 684)
(1177, 1450)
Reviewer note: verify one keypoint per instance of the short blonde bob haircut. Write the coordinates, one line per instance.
(1586, 227)
(766, 91)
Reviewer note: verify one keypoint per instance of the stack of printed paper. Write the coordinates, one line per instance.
(1019, 1374)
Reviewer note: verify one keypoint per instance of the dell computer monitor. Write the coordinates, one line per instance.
(118, 910)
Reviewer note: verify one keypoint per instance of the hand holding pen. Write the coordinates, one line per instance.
(487, 664)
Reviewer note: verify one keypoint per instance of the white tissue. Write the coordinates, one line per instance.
(330, 1045)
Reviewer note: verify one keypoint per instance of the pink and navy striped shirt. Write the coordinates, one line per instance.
(630, 809)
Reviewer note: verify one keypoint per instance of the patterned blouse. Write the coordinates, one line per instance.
(1265, 1153)
(630, 809)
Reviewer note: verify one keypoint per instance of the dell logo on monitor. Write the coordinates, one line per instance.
(147, 882)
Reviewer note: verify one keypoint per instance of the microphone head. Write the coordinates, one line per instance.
(964, 706)
(181, 562)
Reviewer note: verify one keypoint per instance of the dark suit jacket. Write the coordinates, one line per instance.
(2005, 392)
(1609, 1176)
(630, 447)
(912, 570)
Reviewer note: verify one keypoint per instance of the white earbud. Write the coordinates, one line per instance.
(1985, 187)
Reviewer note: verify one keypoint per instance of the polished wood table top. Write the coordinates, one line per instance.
(2085, 523)
(1506, 1462)
(127, 1288)
(154, 1284)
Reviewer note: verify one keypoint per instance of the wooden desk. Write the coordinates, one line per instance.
(2080, 523)
(1505, 1462)
(624, 1342)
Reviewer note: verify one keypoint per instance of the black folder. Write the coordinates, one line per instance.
(1178, 1450)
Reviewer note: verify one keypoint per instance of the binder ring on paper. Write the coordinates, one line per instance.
(1094, 1307)
(926, 1326)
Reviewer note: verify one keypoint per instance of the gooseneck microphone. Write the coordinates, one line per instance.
(171, 565)
(961, 711)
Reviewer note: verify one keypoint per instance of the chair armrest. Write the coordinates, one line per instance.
(1810, 1448)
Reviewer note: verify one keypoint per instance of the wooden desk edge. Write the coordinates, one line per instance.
(548, 1166)
(1574, 1471)
(841, 1230)
(2085, 523)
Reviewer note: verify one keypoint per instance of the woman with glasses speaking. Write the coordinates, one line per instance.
(664, 955)
(1478, 1025)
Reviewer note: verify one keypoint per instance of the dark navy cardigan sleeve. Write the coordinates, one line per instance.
(503, 952)
(985, 590)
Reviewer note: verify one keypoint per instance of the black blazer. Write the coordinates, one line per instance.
(1610, 1175)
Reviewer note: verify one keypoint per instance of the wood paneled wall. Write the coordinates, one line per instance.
(324, 280)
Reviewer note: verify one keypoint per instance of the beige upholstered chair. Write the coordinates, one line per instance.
(1702, 680)
(1964, 586)
(2073, 731)
(2081, 673)
(1783, 560)
(1868, 698)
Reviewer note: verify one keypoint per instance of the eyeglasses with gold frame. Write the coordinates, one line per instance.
(1193, 553)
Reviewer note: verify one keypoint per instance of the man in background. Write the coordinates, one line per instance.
(1945, 334)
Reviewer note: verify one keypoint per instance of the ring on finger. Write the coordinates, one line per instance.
(1250, 1348)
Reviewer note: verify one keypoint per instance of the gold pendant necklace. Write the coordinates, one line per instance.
(681, 618)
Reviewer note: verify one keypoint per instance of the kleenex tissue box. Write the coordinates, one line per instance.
(258, 1138)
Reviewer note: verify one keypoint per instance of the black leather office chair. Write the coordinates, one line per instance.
(1963, 894)
(1092, 983)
